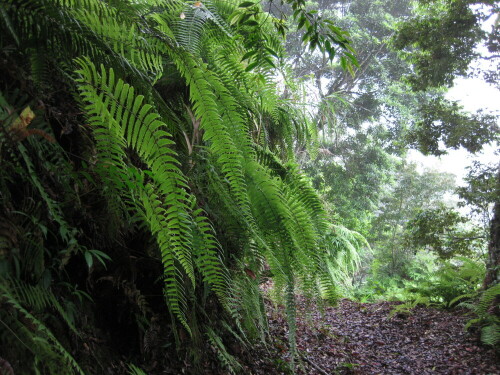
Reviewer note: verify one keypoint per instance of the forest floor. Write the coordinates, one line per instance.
(362, 338)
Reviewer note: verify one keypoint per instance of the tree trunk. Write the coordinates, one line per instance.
(493, 263)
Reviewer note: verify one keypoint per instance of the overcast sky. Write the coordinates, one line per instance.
(473, 94)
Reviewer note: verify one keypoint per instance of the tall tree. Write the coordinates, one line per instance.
(441, 42)
(411, 192)
(352, 180)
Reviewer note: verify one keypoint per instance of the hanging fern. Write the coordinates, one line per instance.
(226, 359)
(164, 202)
(35, 335)
(204, 97)
(190, 145)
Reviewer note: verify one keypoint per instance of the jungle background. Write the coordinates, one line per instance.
(215, 187)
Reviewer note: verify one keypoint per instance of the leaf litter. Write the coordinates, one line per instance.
(363, 338)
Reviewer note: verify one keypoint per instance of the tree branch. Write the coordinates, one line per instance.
(319, 369)
(491, 57)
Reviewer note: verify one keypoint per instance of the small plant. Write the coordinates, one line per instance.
(346, 366)
(229, 361)
(134, 370)
(487, 319)
(405, 309)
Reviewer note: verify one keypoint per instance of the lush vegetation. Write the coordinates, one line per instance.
(424, 250)
(161, 159)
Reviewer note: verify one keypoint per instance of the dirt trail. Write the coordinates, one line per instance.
(355, 338)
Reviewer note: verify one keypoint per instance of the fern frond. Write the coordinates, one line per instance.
(165, 202)
(203, 96)
(488, 321)
(63, 30)
(218, 346)
(41, 338)
(8, 23)
(20, 152)
(39, 299)
(123, 37)
(490, 334)
(195, 24)
(134, 370)
(248, 307)
(487, 298)
(342, 249)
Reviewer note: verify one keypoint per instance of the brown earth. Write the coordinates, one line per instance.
(361, 338)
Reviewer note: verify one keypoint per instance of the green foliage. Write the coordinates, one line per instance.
(411, 191)
(374, 105)
(481, 190)
(134, 370)
(442, 230)
(440, 41)
(170, 132)
(26, 329)
(319, 32)
(344, 250)
(36, 240)
(407, 307)
(451, 280)
(122, 120)
(352, 187)
(486, 310)
(428, 280)
(445, 122)
(227, 359)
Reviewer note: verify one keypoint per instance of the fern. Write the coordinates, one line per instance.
(227, 359)
(490, 333)
(248, 309)
(20, 154)
(39, 299)
(164, 203)
(205, 108)
(134, 370)
(37, 337)
(407, 307)
(193, 23)
(122, 36)
(486, 320)
(342, 253)
(193, 146)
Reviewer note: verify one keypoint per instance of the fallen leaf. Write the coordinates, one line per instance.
(24, 119)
